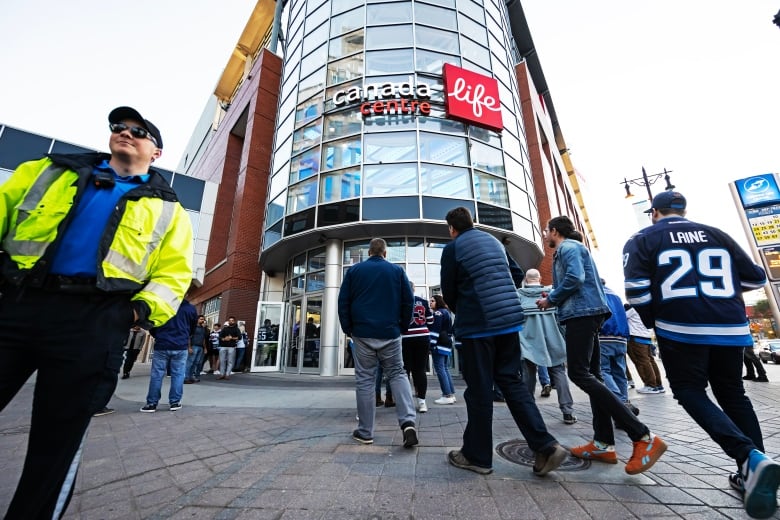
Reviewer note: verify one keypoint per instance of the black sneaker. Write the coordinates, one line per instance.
(748, 377)
(569, 418)
(410, 435)
(175, 406)
(362, 439)
(761, 379)
(737, 483)
(634, 409)
(126, 375)
(104, 411)
(149, 408)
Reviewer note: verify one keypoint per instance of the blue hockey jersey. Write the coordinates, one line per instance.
(686, 280)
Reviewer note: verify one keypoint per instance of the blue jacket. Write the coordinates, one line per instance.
(175, 334)
(375, 300)
(477, 285)
(616, 327)
(578, 291)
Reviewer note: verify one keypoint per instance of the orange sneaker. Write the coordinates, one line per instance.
(592, 452)
(645, 454)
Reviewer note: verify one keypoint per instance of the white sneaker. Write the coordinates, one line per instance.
(217, 373)
(445, 400)
(421, 406)
(762, 478)
(647, 390)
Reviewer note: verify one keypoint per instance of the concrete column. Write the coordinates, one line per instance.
(329, 321)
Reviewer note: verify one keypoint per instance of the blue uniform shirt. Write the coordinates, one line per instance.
(77, 252)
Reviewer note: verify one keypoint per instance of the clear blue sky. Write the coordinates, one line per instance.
(690, 86)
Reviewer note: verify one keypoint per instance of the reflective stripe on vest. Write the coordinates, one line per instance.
(139, 270)
(32, 200)
(164, 293)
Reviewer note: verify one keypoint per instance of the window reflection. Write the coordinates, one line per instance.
(315, 18)
(432, 15)
(475, 11)
(428, 61)
(302, 196)
(391, 179)
(347, 44)
(342, 124)
(415, 250)
(308, 110)
(314, 60)
(346, 22)
(275, 209)
(342, 5)
(445, 181)
(340, 185)
(475, 52)
(443, 149)
(340, 154)
(345, 69)
(355, 252)
(398, 146)
(305, 165)
(396, 250)
(307, 137)
(488, 188)
(436, 39)
(487, 158)
(388, 37)
(386, 14)
(475, 31)
(389, 62)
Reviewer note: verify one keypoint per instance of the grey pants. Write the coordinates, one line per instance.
(227, 357)
(559, 381)
(370, 353)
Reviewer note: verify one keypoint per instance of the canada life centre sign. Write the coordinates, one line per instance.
(469, 97)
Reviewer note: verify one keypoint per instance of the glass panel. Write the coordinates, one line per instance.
(493, 216)
(396, 250)
(330, 92)
(441, 125)
(342, 124)
(390, 179)
(316, 259)
(445, 3)
(305, 165)
(443, 149)
(347, 44)
(487, 158)
(319, 36)
(299, 265)
(287, 125)
(389, 62)
(436, 208)
(17, 146)
(339, 213)
(343, 184)
(269, 321)
(391, 208)
(390, 36)
(518, 200)
(278, 184)
(310, 85)
(341, 154)
(275, 209)
(436, 87)
(398, 146)
(445, 181)
(282, 155)
(299, 222)
(436, 39)
(386, 14)
(272, 235)
(416, 275)
(442, 18)
(311, 341)
(488, 188)
(524, 227)
(293, 329)
(314, 60)
(475, 31)
(433, 250)
(307, 136)
(386, 122)
(355, 252)
(346, 69)
(470, 65)
(302, 196)
(415, 251)
(485, 135)
(428, 61)
(433, 275)
(475, 11)
(475, 52)
(346, 22)
(317, 17)
(339, 6)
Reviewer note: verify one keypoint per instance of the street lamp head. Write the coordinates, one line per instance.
(628, 190)
(669, 185)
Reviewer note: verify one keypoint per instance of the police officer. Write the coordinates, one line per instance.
(98, 243)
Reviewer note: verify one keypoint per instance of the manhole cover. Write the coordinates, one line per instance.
(518, 452)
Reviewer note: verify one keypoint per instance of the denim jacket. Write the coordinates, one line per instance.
(578, 291)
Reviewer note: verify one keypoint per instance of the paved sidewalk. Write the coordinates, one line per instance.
(266, 446)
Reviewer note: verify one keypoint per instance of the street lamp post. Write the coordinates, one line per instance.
(646, 181)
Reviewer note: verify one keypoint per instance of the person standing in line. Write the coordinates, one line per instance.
(171, 345)
(478, 285)
(228, 339)
(640, 345)
(213, 349)
(441, 348)
(415, 343)
(100, 243)
(375, 303)
(685, 279)
(542, 344)
(196, 351)
(582, 308)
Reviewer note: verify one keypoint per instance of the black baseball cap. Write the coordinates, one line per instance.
(121, 113)
(667, 200)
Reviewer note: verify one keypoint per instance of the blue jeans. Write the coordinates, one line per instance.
(689, 368)
(485, 361)
(582, 357)
(544, 375)
(161, 360)
(613, 368)
(194, 362)
(440, 365)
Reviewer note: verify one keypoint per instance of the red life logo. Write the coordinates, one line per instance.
(472, 98)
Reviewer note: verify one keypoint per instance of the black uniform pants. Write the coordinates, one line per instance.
(74, 342)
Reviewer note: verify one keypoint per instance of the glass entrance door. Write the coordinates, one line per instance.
(269, 325)
(292, 341)
(310, 359)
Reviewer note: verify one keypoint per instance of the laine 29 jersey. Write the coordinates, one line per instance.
(686, 280)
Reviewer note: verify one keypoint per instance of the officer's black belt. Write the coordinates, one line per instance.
(70, 284)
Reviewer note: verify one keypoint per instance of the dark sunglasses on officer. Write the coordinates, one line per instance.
(135, 131)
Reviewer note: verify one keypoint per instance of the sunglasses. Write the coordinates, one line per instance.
(135, 131)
